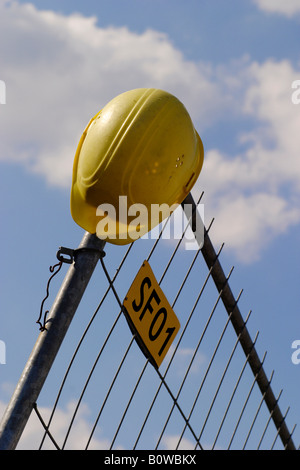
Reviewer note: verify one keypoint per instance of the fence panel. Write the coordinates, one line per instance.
(210, 392)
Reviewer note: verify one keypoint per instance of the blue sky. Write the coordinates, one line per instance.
(232, 64)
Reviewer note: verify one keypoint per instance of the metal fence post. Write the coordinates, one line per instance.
(238, 324)
(49, 341)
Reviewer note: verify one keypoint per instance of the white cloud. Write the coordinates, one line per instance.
(255, 194)
(249, 223)
(183, 359)
(288, 8)
(170, 443)
(60, 70)
(34, 432)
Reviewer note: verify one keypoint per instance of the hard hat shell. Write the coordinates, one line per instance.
(142, 145)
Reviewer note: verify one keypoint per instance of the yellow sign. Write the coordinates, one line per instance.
(150, 315)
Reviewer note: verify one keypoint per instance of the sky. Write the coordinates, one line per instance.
(234, 64)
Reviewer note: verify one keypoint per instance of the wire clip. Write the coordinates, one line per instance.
(65, 251)
(72, 253)
(64, 255)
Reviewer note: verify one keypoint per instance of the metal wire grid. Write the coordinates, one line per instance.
(210, 392)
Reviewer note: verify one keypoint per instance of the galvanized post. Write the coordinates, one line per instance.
(49, 341)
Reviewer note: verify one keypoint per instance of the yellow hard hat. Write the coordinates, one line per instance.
(141, 145)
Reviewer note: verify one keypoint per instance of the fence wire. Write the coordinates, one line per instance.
(211, 391)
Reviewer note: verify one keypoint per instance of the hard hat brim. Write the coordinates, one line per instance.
(83, 213)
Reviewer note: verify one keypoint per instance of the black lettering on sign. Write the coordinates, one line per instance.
(161, 323)
(169, 332)
(148, 305)
(150, 315)
(136, 307)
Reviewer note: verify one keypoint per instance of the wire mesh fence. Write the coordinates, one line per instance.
(210, 392)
